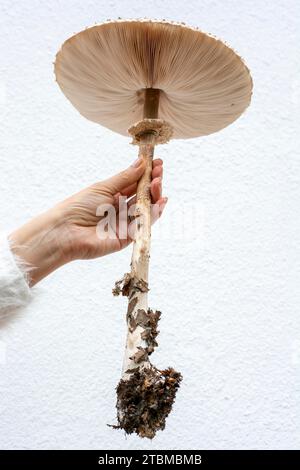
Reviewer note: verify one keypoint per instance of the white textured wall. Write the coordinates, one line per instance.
(229, 295)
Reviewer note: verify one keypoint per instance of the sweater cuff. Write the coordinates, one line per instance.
(14, 278)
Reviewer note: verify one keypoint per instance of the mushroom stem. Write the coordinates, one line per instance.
(151, 103)
(145, 394)
(136, 346)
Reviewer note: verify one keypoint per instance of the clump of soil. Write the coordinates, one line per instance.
(145, 400)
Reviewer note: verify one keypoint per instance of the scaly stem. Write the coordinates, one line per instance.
(145, 394)
(138, 298)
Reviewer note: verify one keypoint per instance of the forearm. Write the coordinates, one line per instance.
(38, 243)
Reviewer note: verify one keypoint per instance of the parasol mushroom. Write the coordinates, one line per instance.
(154, 80)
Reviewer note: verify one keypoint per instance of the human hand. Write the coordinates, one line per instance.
(68, 231)
(80, 211)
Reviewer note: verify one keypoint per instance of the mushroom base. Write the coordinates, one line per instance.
(145, 400)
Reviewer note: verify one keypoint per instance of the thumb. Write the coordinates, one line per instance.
(126, 177)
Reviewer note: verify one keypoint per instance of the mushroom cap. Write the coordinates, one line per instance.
(104, 69)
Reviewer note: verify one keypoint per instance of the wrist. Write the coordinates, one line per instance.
(39, 244)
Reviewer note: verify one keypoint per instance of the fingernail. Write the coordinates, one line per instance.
(137, 163)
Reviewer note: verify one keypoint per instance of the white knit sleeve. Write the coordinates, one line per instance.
(14, 279)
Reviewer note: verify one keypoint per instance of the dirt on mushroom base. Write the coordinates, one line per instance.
(146, 397)
(145, 400)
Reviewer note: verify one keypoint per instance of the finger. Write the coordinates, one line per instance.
(157, 172)
(156, 189)
(130, 190)
(161, 203)
(156, 162)
(156, 212)
(131, 202)
(125, 178)
(116, 199)
(157, 209)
